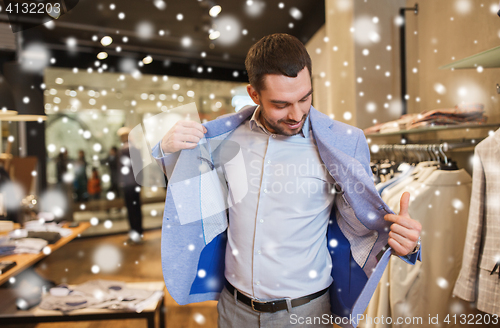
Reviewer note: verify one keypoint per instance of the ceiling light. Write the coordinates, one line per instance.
(147, 60)
(102, 55)
(215, 10)
(106, 41)
(214, 35)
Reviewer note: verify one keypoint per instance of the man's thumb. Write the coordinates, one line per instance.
(404, 204)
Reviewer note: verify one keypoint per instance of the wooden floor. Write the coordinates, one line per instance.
(72, 265)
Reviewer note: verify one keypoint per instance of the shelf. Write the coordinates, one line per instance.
(436, 128)
(486, 59)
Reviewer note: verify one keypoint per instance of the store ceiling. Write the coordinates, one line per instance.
(153, 27)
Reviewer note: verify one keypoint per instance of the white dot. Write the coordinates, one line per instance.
(110, 195)
(180, 17)
(295, 13)
(202, 273)
(108, 224)
(480, 69)
(47, 250)
(199, 318)
(191, 247)
(366, 52)
(442, 282)
(26, 100)
(95, 269)
(334, 243)
(371, 107)
(347, 116)
(94, 221)
(313, 274)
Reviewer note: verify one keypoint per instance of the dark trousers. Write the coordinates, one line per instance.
(133, 203)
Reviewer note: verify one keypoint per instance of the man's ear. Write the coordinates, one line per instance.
(253, 94)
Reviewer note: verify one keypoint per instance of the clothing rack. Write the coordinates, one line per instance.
(434, 152)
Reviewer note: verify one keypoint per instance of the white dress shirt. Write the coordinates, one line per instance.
(277, 245)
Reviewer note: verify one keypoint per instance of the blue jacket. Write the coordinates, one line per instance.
(193, 244)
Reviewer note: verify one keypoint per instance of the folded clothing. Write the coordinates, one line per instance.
(465, 113)
(461, 114)
(97, 294)
(50, 236)
(23, 245)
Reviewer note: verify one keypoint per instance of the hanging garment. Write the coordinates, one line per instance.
(393, 196)
(482, 244)
(408, 170)
(441, 205)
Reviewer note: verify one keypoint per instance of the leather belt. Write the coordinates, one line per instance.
(275, 305)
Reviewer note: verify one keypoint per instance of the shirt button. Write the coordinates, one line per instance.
(259, 252)
(273, 135)
(257, 283)
(268, 162)
(265, 191)
(261, 221)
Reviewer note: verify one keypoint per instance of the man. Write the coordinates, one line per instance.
(305, 236)
(130, 186)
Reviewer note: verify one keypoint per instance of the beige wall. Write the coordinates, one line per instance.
(337, 90)
(316, 47)
(455, 33)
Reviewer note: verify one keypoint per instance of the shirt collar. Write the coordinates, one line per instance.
(255, 122)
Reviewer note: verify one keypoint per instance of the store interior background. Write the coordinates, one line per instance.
(354, 46)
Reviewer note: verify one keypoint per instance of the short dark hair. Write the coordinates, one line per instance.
(279, 53)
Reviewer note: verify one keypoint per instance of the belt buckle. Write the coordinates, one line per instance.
(252, 301)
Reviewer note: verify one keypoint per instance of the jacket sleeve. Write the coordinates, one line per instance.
(465, 287)
(362, 154)
(165, 161)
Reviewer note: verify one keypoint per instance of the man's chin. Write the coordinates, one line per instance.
(290, 131)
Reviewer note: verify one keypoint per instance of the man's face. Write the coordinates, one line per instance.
(284, 103)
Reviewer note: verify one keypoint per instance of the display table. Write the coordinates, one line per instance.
(152, 313)
(25, 261)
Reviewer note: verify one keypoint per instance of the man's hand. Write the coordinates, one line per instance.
(404, 232)
(183, 135)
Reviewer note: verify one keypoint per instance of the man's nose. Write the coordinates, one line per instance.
(295, 114)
